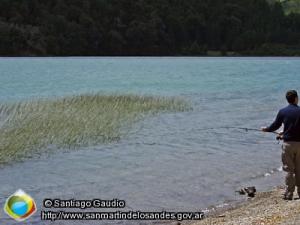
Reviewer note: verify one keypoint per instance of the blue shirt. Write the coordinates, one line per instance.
(290, 117)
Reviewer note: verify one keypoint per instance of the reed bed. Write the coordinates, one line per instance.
(27, 128)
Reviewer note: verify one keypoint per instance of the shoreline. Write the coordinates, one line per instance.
(266, 208)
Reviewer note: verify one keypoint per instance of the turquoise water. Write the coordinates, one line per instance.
(172, 161)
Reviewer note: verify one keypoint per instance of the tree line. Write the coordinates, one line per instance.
(147, 27)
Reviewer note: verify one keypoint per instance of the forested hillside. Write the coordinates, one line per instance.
(289, 6)
(147, 27)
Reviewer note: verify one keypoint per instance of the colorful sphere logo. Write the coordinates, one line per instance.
(20, 206)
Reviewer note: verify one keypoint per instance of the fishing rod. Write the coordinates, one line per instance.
(249, 129)
(279, 135)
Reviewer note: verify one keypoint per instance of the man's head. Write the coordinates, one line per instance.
(292, 97)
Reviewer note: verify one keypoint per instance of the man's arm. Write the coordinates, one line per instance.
(275, 125)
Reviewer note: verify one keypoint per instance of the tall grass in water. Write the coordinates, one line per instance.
(71, 122)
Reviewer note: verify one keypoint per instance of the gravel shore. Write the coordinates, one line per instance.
(267, 208)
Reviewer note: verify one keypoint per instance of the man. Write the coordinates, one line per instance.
(290, 118)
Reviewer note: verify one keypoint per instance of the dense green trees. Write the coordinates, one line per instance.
(147, 27)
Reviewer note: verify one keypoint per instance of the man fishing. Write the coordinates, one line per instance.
(290, 118)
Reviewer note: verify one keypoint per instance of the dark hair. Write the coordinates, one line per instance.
(291, 96)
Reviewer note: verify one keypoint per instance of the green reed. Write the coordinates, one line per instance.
(27, 128)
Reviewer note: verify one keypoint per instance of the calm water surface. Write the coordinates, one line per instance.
(168, 162)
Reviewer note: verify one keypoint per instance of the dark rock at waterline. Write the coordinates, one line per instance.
(248, 190)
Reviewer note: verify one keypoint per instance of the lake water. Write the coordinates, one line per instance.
(168, 162)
